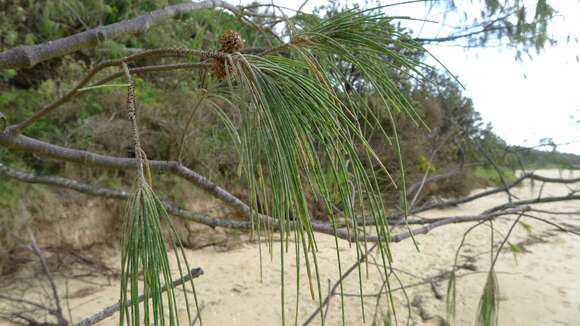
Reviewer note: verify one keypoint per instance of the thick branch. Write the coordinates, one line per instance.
(172, 209)
(28, 56)
(85, 157)
(430, 224)
(244, 225)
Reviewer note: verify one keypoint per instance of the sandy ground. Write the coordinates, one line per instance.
(538, 287)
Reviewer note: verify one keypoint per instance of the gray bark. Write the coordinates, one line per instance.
(28, 56)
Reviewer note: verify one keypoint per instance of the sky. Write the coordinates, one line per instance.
(525, 100)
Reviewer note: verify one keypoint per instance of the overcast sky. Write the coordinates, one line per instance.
(525, 101)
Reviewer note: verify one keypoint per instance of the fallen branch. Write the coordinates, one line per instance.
(85, 157)
(120, 194)
(534, 201)
(110, 310)
(457, 219)
(337, 284)
(431, 224)
(556, 225)
(57, 311)
(406, 235)
(171, 208)
(463, 200)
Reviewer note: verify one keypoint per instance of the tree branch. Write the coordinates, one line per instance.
(457, 219)
(85, 157)
(486, 28)
(462, 200)
(165, 52)
(154, 68)
(172, 209)
(110, 310)
(455, 37)
(28, 56)
(121, 195)
(57, 312)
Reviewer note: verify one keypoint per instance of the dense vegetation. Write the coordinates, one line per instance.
(346, 107)
(454, 136)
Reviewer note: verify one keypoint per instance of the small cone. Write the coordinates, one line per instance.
(231, 41)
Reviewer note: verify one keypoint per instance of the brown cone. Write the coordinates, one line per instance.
(231, 41)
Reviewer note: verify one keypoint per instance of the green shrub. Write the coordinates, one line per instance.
(488, 176)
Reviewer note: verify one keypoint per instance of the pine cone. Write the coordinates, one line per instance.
(231, 41)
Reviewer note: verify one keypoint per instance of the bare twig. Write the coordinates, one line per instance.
(187, 125)
(329, 294)
(505, 239)
(418, 187)
(194, 321)
(486, 27)
(337, 284)
(57, 312)
(26, 302)
(558, 226)
(555, 212)
(164, 52)
(154, 68)
(438, 277)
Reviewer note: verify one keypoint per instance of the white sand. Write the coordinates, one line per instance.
(542, 288)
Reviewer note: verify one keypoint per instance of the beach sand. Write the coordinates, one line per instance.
(540, 286)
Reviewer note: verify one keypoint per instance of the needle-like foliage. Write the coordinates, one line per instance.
(145, 256)
(451, 297)
(487, 312)
(301, 134)
(144, 251)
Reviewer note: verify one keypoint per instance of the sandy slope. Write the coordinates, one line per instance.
(541, 288)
